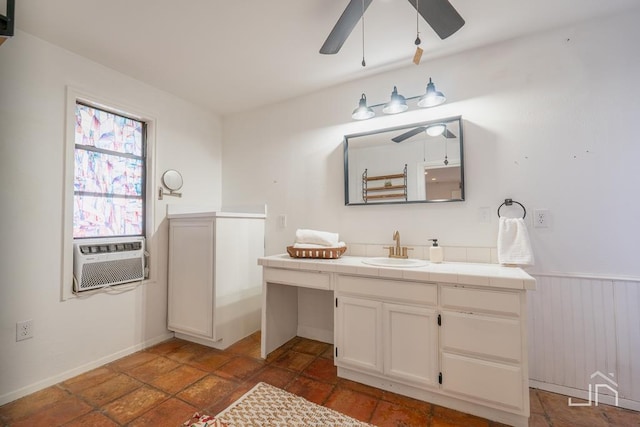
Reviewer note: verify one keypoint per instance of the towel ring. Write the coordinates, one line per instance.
(509, 202)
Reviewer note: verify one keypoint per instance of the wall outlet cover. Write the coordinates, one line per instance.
(24, 330)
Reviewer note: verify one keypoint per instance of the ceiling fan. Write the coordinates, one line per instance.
(439, 14)
(438, 129)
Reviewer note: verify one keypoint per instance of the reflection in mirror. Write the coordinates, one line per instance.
(421, 162)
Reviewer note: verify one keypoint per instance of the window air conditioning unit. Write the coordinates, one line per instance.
(98, 263)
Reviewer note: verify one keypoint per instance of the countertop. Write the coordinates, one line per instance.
(490, 275)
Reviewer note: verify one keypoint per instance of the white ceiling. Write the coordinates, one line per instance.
(232, 55)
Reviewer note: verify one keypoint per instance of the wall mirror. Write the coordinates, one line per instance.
(416, 163)
(172, 180)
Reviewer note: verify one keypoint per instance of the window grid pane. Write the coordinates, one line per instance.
(109, 174)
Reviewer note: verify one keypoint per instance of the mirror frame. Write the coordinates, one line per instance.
(166, 177)
(398, 128)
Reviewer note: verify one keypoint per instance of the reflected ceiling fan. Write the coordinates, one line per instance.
(439, 14)
(432, 130)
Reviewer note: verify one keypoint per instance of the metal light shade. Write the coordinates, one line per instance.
(432, 98)
(363, 112)
(397, 103)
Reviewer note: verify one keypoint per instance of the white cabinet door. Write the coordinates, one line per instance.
(411, 344)
(359, 333)
(191, 298)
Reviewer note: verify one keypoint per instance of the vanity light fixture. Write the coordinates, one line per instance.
(432, 97)
(398, 103)
(363, 112)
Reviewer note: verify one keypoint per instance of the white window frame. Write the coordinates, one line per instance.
(74, 95)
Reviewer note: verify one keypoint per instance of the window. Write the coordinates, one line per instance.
(109, 174)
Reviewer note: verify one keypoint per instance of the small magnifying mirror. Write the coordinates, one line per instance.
(172, 180)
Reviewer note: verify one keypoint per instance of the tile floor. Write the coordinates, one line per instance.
(165, 384)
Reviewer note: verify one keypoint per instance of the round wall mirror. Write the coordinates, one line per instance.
(172, 180)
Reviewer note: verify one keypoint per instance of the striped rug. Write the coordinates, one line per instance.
(268, 406)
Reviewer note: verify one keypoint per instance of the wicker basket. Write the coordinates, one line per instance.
(324, 253)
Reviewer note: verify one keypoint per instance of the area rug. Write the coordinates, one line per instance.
(268, 406)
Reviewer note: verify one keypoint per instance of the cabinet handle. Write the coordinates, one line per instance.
(439, 320)
(440, 378)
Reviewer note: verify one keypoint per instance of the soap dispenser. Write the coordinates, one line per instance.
(435, 252)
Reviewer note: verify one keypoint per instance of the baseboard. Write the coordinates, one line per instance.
(584, 394)
(32, 388)
(317, 334)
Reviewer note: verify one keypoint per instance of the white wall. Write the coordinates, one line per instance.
(73, 335)
(549, 120)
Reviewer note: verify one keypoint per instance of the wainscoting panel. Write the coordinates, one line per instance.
(579, 326)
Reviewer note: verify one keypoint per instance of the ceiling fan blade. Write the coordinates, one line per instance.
(344, 26)
(448, 134)
(408, 134)
(440, 15)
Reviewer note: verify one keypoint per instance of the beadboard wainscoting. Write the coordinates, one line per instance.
(582, 325)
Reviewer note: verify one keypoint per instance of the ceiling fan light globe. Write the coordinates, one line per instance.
(436, 130)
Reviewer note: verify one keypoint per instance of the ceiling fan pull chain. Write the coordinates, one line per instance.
(364, 63)
(418, 55)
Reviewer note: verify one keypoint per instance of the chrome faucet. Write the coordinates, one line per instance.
(397, 251)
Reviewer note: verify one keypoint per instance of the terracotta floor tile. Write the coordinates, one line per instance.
(392, 415)
(441, 422)
(534, 402)
(110, 390)
(211, 360)
(33, 403)
(129, 362)
(323, 370)
(312, 390)
(92, 419)
(459, 418)
(55, 415)
(239, 368)
(357, 405)
(315, 348)
(150, 370)
(557, 407)
(409, 402)
(236, 394)
(134, 404)
(275, 376)
(276, 354)
(249, 346)
(621, 417)
(208, 391)
(294, 360)
(361, 388)
(172, 412)
(538, 420)
(329, 352)
(174, 381)
(187, 352)
(89, 379)
(167, 346)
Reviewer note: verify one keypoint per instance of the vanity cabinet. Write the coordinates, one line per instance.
(387, 328)
(452, 334)
(214, 295)
(482, 346)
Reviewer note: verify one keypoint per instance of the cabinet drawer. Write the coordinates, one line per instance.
(481, 335)
(483, 381)
(305, 279)
(412, 292)
(489, 301)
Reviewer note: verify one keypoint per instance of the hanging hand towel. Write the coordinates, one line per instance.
(315, 237)
(513, 242)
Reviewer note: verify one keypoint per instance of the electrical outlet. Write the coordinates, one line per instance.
(541, 218)
(282, 221)
(484, 214)
(24, 330)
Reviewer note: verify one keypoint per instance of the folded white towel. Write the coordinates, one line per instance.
(514, 246)
(323, 238)
(313, 246)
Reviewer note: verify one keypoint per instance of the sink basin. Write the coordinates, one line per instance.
(395, 262)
